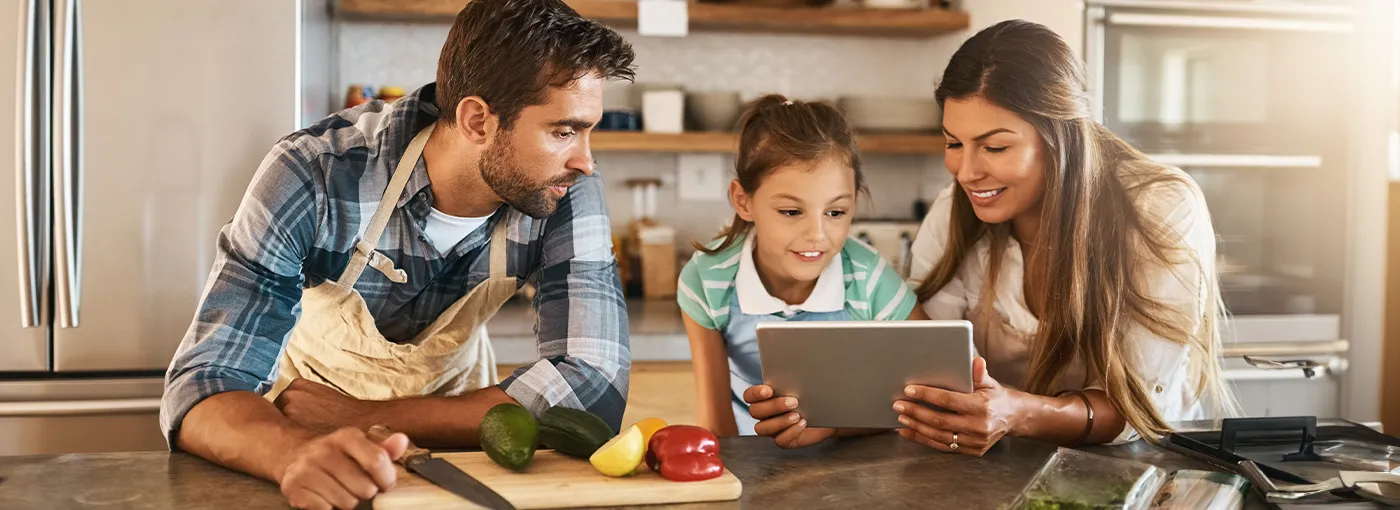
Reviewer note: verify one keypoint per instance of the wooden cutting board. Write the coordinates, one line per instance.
(554, 480)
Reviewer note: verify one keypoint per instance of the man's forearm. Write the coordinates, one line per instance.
(242, 431)
(441, 422)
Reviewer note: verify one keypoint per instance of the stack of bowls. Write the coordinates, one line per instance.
(713, 111)
(883, 114)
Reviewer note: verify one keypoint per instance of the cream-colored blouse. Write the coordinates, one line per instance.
(1005, 338)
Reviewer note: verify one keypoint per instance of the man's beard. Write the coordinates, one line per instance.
(508, 181)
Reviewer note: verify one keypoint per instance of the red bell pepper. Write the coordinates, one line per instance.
(690, 467)
(684, 453)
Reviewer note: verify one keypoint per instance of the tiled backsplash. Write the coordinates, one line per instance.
(807, 67)
(804, 67)
(891, 195)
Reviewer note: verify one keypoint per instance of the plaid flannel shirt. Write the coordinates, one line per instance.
(296, 227)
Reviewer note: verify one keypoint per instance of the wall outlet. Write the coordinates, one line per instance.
(701, 177)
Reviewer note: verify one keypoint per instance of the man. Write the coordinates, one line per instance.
(351, 286)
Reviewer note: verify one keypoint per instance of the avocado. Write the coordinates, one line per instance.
(509, 434)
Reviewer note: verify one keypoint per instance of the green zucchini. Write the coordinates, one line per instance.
(573, 432)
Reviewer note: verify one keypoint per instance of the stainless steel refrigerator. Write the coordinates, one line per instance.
(136, 127)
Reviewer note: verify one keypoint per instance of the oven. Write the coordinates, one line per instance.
(1242, 96)
(1248, 98)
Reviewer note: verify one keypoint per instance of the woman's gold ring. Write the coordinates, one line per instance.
(954, 445)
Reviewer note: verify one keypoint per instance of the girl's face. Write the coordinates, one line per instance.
(995, 156)
(801, 214)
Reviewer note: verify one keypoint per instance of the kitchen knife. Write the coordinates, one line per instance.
(443, 474)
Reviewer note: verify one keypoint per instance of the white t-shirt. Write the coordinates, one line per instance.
(445, 230)
(1005, 339)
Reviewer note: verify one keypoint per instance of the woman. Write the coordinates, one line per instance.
(1086, 269)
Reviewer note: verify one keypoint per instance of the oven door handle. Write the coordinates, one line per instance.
(1135, 19)
(1326, 366)
(1237, 160)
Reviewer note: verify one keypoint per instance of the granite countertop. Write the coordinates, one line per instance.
(881, 471)
(656, 332)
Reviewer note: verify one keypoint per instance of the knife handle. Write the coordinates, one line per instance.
(379, 433)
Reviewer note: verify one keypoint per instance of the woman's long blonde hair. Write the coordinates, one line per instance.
(1096, 243)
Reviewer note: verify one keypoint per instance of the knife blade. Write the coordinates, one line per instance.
(444, 474)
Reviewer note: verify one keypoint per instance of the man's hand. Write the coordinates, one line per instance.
(322, 408)
(340, 469)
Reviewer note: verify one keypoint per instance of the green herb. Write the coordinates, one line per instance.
(1111, 498)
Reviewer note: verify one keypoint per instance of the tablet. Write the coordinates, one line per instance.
(849, 373)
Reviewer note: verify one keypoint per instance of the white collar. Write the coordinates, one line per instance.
(829, 295)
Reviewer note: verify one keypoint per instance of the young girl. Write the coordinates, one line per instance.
(785, 257)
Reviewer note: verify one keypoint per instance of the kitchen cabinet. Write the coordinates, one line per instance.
(1390, 382)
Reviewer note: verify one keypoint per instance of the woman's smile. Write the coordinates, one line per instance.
(984, 198)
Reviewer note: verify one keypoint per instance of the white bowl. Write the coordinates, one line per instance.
(891, 114)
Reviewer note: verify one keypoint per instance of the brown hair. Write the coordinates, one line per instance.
(509, 52)
(774, 132)
(1095, 236)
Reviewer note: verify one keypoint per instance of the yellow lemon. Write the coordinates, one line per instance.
(621, 454)
(649, 426)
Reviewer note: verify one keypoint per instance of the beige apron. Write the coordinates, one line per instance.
(337, 344)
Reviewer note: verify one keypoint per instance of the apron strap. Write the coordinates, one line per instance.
(364, 253)
(499, 242)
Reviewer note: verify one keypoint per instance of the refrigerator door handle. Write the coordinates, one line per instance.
(27, 169)
(79, 407)
(67, 162)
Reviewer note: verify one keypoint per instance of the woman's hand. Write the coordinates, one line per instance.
(779, 420)
(977, 421)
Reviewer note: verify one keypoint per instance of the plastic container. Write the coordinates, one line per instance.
(1202, 490)
(1074, 480)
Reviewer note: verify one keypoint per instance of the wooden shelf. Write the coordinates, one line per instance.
(632, 141)
(635, 141)
(708, 16)
(901, 144)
